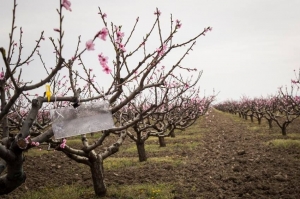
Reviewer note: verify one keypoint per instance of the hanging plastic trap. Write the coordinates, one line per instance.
(87, 118)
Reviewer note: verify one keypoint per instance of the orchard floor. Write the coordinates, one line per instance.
(222, 156)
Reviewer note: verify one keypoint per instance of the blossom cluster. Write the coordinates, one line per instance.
(119, 44)
(29, 141)
(103, 62)
(63, 144)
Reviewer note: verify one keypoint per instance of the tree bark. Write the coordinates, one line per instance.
(283, 130)
(172, 134)
(251, 117)
(259, 120)
(141, 151)
(97, 171)
(270, 123)
(15, 175)
(162, 142)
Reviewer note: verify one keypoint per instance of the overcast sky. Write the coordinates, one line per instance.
(253, 49)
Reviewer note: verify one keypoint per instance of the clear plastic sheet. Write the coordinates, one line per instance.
(87, 118)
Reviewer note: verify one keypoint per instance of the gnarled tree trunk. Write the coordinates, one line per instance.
(251, 117)
(283, 128)
(141, 151)
(97, 171)
(162, 142)
(270, 122)
(172, 134)
(259, 120)
(15, 175)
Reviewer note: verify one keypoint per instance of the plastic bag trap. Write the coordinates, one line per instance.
(87, 118)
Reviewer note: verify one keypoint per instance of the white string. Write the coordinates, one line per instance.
(56, 108)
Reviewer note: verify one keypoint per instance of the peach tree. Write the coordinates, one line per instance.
(133, 72)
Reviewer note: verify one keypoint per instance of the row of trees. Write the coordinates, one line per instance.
(146, 99)
(282, 108)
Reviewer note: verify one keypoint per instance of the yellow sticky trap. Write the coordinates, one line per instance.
(48, 92)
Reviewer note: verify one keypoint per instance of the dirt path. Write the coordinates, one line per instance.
(239, 163)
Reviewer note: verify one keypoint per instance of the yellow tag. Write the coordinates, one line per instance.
(48, 92)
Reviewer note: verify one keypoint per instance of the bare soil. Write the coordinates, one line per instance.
(233, 160)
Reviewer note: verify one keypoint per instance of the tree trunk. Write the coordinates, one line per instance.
(162, 142)
(270, 123)
(283, 130)
(141, 151)
(172, 134)
(251, 117)
(284, 126)
(259, 120)
(98, 176)
(15, 175)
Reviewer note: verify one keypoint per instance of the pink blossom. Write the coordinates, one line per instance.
(121, 47)
(107, 70)
(56, 29)
(35, 143)
(161, 50)
(90, 45)
(27, 139)
(178, 24)
(102, 34)
(103, 60)
(67, 5)
(104, 15)
(120, 35)
(63, 144)
(2, 75)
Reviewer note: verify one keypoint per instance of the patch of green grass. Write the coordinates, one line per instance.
(37, 152)
(61, 192)
(293, 135)
(116, 163)
(285, 143)
(254, 128)
(74, 142)
(189, 145)
(149, 191)
(134, 191)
